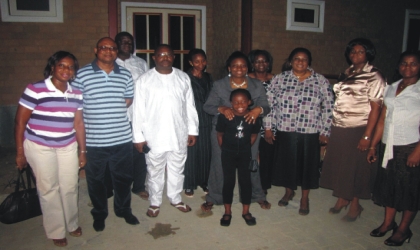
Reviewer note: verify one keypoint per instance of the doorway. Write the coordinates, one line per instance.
(411, 39)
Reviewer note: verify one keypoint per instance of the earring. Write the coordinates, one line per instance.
(246, 74)
(229, 74)
(72, 78)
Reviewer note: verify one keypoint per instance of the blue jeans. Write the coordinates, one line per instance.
(119, 160)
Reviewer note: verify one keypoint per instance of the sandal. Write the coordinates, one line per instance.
(225, 220)
(283, 202)
(265, 204)
(182, 207)
(60, 242)
(153, 211)
(207, 206)
(77, 232)
(250, 221)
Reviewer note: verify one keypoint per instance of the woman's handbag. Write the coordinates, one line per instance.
(21, 204)
(253, 166)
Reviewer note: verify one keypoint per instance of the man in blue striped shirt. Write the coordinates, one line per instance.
(107, 92)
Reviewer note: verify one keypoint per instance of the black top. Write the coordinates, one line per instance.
(237, 133)
(201, 88)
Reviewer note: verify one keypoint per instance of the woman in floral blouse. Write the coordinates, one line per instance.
(301, 110)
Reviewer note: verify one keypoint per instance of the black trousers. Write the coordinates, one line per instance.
(119, 160)
(139, 171)
(230, 162)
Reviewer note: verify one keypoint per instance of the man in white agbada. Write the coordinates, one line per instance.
(164, 119)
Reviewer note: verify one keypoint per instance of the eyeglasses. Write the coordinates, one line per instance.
(297, 59)
(62, 66)
(359, 52)
(164, 54)
(107, 48)
(410, 64)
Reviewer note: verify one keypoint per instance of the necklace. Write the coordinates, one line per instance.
(238, 85)
(403, 86)
(300, 75)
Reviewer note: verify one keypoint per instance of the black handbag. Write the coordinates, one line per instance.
(253, 166)
(21, 204)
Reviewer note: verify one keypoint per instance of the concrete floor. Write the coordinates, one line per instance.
(277, 228)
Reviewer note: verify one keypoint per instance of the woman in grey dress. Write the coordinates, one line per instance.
(218, 103)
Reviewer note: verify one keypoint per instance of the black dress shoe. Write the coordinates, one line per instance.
(225, 220)
(130, 219)
(377, 233)
(392, 243)
(99, 225)
(249, 220)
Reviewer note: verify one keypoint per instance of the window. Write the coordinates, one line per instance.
(181, 26)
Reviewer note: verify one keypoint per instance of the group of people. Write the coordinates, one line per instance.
(117, 118)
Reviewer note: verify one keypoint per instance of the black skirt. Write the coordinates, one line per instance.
(397, 185)
(297, 160)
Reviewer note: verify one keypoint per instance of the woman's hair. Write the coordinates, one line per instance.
(416, 54)
(288, 64)
(366, 44)
(254, 53)
(54, 59)
(194, 52)
(236, 55)
(240, 92)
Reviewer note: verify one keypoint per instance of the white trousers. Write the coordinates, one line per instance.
(56, 172)
(174, 163)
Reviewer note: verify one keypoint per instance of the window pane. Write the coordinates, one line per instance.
(177, 61)
(189, 33)
(175, 32)
(155, 27)
(142, 55)
(140, 32)
(38, 5)
(304, 15)
(186, 63)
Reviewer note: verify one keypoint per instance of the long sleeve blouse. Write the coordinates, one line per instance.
(220, 93)
(303, 107)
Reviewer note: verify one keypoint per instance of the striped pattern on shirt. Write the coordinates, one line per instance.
(104, 106)
(51, 123)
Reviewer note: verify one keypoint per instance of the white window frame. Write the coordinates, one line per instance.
(124, 6)
(54, 15)
(409, 14)
(316, 26)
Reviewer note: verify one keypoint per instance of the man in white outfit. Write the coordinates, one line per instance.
(165, 120)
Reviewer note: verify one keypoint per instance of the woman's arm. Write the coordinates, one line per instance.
(79, 126)
(22, 117)
(379, 130)
(372, 120)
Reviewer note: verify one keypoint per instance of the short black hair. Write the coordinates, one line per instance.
(415, 53)
(366, 44)
(300, 50)
(55, 58)
(196, 51)
(240, 92)
(235, 55)
(122, 34)
(259, 52)
(163, 45)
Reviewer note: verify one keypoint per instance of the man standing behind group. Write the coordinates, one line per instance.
(107, 92)
(164, 119)
(137, 67)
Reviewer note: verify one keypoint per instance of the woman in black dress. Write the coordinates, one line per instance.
(397, 185)
(197, 164)
(262, 64)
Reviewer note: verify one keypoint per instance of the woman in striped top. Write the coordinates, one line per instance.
(48, 132)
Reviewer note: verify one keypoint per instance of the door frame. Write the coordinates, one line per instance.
(409, 14)
(124, 6)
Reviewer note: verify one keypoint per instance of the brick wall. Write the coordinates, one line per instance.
(27, 46)
(380, 21)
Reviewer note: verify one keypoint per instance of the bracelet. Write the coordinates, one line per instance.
(372, 148)
(83, 152)
(366, 138)
(262, 110)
